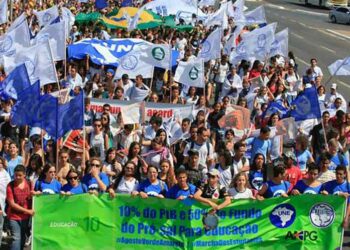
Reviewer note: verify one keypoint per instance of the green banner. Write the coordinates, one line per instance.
(91, 222)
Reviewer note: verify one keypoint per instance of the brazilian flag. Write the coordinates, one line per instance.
(147, 19)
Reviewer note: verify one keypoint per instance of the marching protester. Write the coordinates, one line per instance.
(195, 108)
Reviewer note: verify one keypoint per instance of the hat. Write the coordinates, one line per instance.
(214, 172)
(125, 76)
(334, 86)
(290, 154)
(192, 152)
(110, 71)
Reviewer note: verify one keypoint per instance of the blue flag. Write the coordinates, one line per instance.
(276, 107)
(70, 115)
(306, 105)
(24, 112)
(46, 117)
(127, 3)
(101, 4)
(17, 81)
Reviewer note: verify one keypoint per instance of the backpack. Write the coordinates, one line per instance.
(207, 144)
(12, 186)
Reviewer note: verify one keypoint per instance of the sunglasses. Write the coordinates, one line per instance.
(95, 165)
(72, 178)
(97, 125)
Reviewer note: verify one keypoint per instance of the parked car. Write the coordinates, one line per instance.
(340, 15)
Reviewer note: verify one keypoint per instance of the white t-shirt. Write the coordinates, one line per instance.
(126, 187)
(225, 177)
(203, 151)
(246, 194)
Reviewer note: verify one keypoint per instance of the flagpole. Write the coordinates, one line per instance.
(11, 10)
(84, 138)
(324, 134)
(57, 139)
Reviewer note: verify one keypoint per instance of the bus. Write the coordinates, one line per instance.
(324, 3)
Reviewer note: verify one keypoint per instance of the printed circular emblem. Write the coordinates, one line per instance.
(283, 216)
(303, 107)
(129, 62)
(322, 215)
(47, 17)
(158, 53)
(240, 48)
(261, 41)
(206, 47)
(193, 74)
(6, 44)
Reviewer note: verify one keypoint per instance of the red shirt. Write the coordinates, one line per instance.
(21, 197)
(293, 174)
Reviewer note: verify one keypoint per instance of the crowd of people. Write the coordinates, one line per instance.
(209, 163)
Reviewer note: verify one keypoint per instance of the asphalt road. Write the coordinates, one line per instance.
(311, 35)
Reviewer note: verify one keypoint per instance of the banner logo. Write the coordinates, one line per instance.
(241, 48)
(302, 235)
(193, 74)
(261, 41)
(322, 215)
(303, 107)
(47, 17)
(282, 216)
(129, 62)
(206, 48)
(158, 53)
(6, 44)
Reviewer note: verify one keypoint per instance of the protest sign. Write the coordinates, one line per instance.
(99, 222)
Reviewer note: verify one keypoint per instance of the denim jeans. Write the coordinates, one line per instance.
(1, 226)
(18, 231)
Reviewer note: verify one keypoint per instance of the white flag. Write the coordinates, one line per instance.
(3, 11)
(38, 60)
(56, 34)
(157, 55)
(206, 3)
(190, 73)
(68, 18)
(211, 46)
(231, 42)
(131, 113)
(132, 65)
(218, 18)
(46, 17)
(237, 12)
(255, 16)
(19, 20)
(258, 42)
(340, 67)
(106, 56)
(280, 44)
(15, 40)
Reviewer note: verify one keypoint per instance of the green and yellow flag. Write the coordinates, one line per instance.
(147, 20)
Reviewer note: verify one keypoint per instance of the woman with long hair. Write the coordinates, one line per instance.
(158, 152)
(47, 182)
(239, 187)
(111, 166)
(126, 182)
(34, 168)
(167, 173)
(74, 186)
(134, 155)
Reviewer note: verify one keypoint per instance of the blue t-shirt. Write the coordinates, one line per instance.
(336, 160)
(175, 192)
(11, 164)
(259, 146)
(305, 189)
(276, 190)
(153, 189)
(91, 182)
(302, 158)
(256, 179)
(54, 187)
(333, 187)
(80, 189)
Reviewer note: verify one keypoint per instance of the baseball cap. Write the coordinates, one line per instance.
(110, 71)
(125, 76)
(290, 154)
(334, 86)
(214, 172)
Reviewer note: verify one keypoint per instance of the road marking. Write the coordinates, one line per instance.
(298, 36)
(275, 6)
(343, 84)
(311, 12)
(332, 35)
(330, 50)
(301, 60)
(338, 34)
